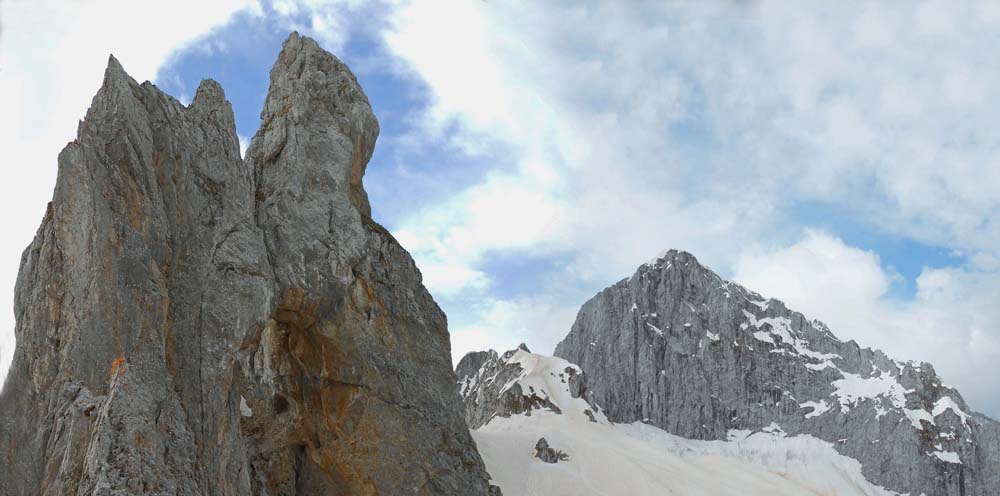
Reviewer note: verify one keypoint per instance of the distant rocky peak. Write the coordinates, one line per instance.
(678, 346)
(520, 383)
(688, 266)
(768, 319)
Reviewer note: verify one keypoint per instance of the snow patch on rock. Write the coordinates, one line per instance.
(818, 408)
(944, 404)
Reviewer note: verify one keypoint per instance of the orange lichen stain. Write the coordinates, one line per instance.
(134, 213)
(158, 168)
(366, 304)
(115, 365)
(55, 303)
(320, 399)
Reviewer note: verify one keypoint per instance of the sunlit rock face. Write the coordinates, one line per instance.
(190, 322)
(676, 346)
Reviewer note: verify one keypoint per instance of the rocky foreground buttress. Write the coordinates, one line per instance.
(190, 322)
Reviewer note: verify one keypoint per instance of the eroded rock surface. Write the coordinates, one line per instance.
(680, 348)
(192, 323)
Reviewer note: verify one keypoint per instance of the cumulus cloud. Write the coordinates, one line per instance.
(327, 20)
(821, 276)
(775, 97)
(585, 148)
(503, 324)
(504, 212)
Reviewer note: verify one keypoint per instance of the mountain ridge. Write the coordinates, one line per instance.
(731, 359)
(680, 348)
(534, 399)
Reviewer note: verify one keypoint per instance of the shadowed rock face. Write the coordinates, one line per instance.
(192, 323)
(678, 347)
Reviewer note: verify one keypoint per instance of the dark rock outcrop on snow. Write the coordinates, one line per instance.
(189, 322)
(547, 454)
(682, 349)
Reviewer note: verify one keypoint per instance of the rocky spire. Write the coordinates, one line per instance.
(190, 323)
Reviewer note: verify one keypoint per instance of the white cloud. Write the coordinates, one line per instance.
(505, 212)
(818, 265)
(784, 108)
(935, 18)
(463, 80)
(577, 178)
(326, 20)
(52, 58)
(847, 128)
(898, 100)
(502, 324)
(873, 28)
(451, 277)
(988, 11)
(985, 260)
(244, 144)
(962, 87)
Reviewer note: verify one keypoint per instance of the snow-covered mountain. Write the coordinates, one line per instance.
(691, 366)
(532, 398)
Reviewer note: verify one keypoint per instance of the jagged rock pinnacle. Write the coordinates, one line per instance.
(190, 323)
(312, 89)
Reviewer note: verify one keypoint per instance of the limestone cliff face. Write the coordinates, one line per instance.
(678, 347)
(192, 323)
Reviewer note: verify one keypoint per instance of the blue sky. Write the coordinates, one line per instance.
(841, 158)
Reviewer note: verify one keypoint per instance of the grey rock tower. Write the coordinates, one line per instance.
(192, 323)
